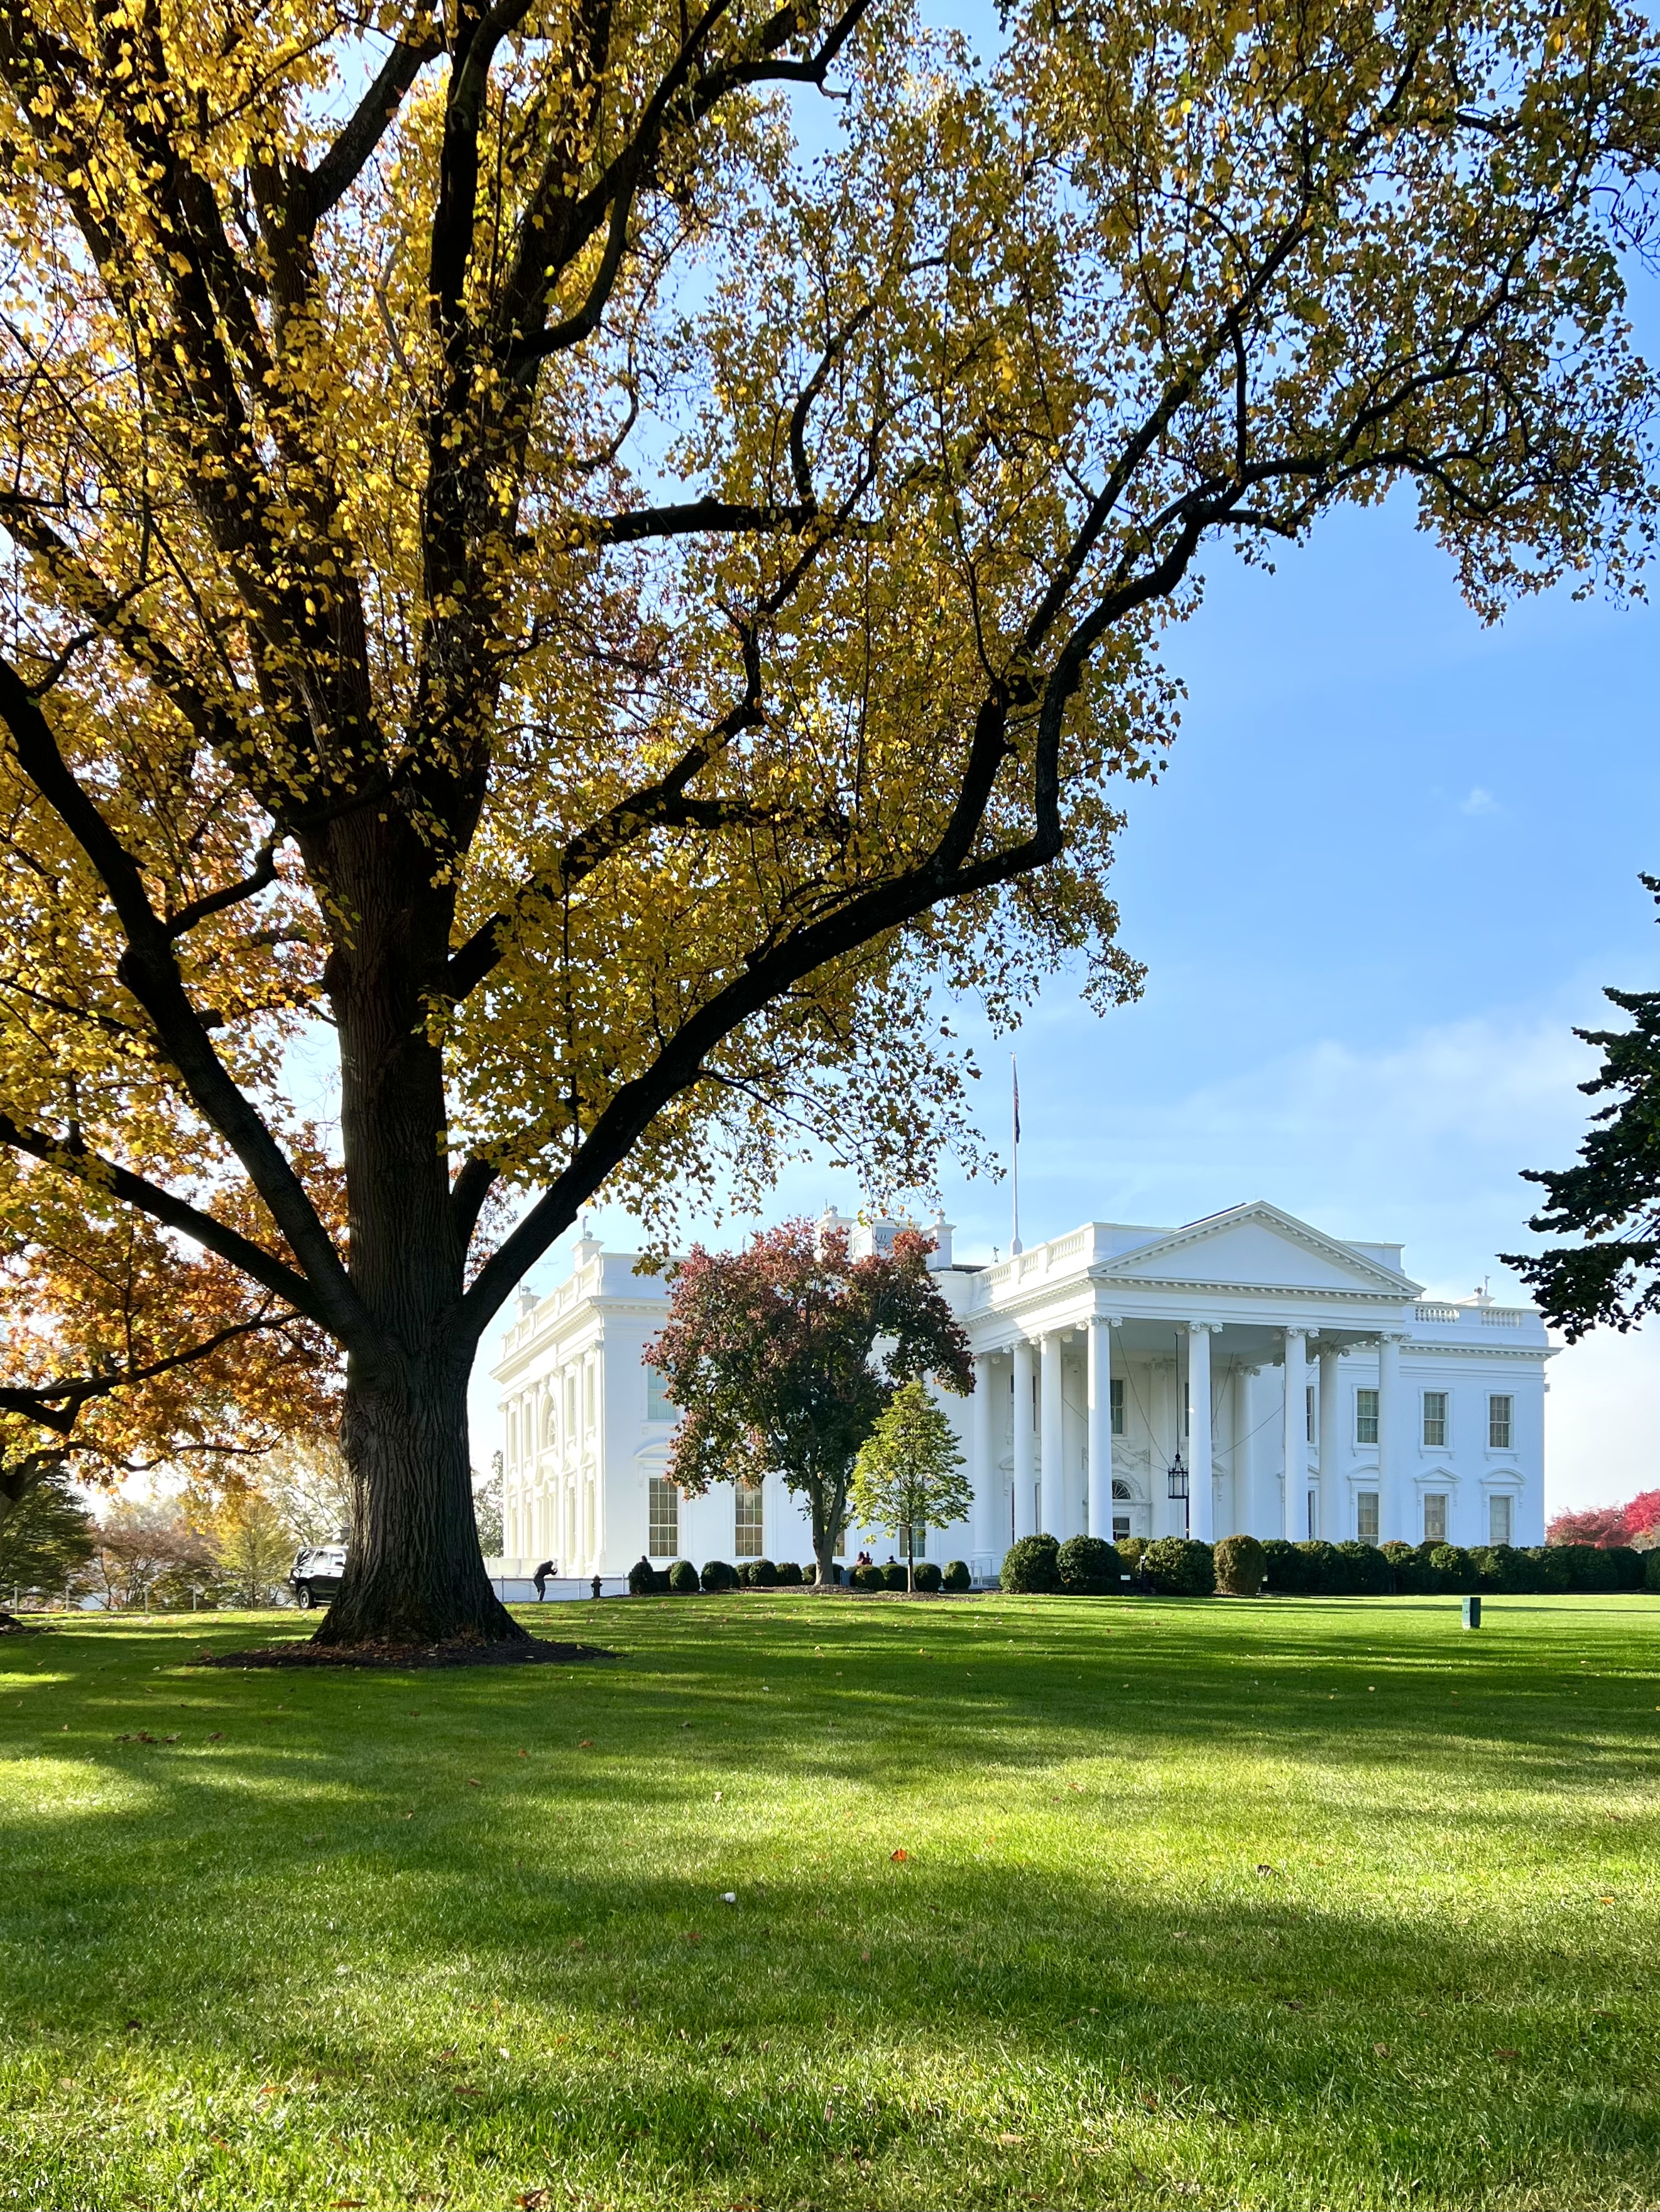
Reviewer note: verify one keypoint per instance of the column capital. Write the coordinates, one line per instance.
(1106, 1320)
(1203, 1327)
(1298, 1328)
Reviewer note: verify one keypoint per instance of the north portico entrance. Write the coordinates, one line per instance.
(1117, 1367)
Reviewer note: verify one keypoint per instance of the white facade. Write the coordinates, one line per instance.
(1307, 1378)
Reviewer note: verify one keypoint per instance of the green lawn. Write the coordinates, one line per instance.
(1039, 1901)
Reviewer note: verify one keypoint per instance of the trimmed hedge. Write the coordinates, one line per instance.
(1241, 1562)
(957, 1576)
(868, 1578)
(642, 1579)
(1031, 1564)
(1365, 1570)
(1180, 1566)
(789, 1574)
(1650, 1570)
(1285, 1570)
(683, 1578)
(929, 1576)
(760, 1574)
(1129, 1552)
(894, 1576)
(718, 1576)
(1089, 1567)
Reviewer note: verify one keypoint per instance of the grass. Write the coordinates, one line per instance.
(1039, 1902)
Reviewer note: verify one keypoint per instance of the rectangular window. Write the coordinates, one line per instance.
(1365, 1515)
(659, 1406)
(663, 1516)
(1115, 1406)
(1365, 1417)
(1435, 1420)
(1307, 1412)
(1314, 1515)
(918, 1542)
(746, 1523)
(1498, 1423)
(1499, 1521)
(1435, 1516)
(1121, 1528)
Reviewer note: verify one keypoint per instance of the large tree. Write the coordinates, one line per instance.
(1604, 1210)
(525, 571)
(784, 1358)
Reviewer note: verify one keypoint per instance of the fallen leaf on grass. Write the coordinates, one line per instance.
(586, 1744)
(218, 1736)
(1266, 1869)
(899, 1856)
(473, 1783)
(1010, 2139)
(1380, 2050)
(692, 1936)
(530, 2200)
(1507, 2054)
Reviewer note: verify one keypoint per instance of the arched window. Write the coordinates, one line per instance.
(1121, 1489)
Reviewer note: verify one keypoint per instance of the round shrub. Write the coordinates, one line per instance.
(1240, 1562)
(1368, 1572)
(1129, 1552)
(1628, 1567)
(718, 1576)
(957, 1578)
(929, 1576)
(1089, 1567)
(1652, 1571)
(1323, 1568)
(683, 1578)
(643, 1579)
(1031, 1564)
(1407, 1570)
(1454, 1568)
(868, 1578)
(789, 1574)
(1177, 1566)
(1589, 1568)
(1285, 1570)
(1553, 1569)
(894, 1576)
(761, 1574)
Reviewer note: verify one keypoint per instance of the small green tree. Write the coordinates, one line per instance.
(909, 1471)
(48, 1539)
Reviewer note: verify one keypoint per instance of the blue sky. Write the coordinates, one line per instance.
(1391, 864)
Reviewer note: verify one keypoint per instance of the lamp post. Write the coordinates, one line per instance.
(1178, 1487)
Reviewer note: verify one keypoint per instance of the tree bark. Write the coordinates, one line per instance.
(414, 1570)
(414, 1573)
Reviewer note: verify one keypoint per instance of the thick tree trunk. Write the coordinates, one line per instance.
(414, 1570)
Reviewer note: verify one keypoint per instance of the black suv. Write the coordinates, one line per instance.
(316, 1575)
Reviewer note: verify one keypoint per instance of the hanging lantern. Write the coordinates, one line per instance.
(1178, 1477)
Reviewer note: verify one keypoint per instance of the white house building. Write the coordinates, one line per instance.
(1246, 1373)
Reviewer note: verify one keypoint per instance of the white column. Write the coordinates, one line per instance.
(1334, 1521)
(982, 1473)
(1245, 1495)
(1297, 1435)
(1052, 1474)
(1201, 1513)
(1025, 1473)
(1391, 1508)
(1100, 1426)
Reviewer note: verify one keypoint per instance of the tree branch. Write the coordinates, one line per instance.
(40, 1403)
(263, 877)
(346, 159)
(150, 971)
(72, 1159)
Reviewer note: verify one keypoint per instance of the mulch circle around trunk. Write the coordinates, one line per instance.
(534, 1652)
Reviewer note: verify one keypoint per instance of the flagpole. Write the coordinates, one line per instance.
(1016, 1247)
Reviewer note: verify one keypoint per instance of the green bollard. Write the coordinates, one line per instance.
(1471, 1612)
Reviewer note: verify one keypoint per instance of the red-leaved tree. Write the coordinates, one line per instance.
(783, 1356)
(1604, 1526)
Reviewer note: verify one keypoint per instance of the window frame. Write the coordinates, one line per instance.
(1115, 1406)
(1362, 1416)
(1498, 1499)
(1507, 1399)
(1443, 1499)
(1425, 1399)
(1364, 1499)
(656, 1487)
(748, 1521)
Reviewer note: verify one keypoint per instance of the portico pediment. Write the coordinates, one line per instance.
(1256, 1247)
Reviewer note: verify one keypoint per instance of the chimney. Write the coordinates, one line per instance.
(941, 1230)
(527, 1303)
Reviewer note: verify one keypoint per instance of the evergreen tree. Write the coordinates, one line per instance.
(47, 1539)
(1609, 1203)
(907, 1474)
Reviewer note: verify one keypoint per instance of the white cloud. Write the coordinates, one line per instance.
(1479, 801)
